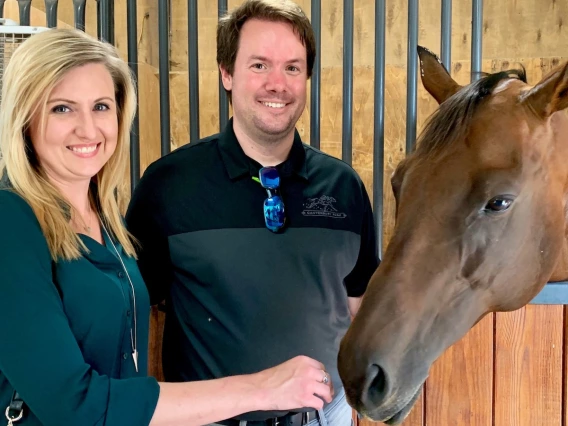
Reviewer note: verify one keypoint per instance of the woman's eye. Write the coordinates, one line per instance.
(101, 107)
(60, 109)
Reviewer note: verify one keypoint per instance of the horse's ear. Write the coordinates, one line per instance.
(436, 80)
(550, 94)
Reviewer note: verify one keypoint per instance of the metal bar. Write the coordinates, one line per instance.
(24, 11)
(51, 13)
(99, 19)
(193, 62)
(347, 123)
(476, 32)
(111, 21)
(315, 87)
(164, 69)
(411, 75)
(79, 14)
(2, 8)
(379, 122)
(553, 293)
(107, 21)
(446, 42)
(223, 98)
(132, 31)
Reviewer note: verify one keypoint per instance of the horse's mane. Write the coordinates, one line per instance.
(453, 118)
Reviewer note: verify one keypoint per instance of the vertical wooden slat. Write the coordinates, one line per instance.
(565, 368)
(528, 366)
(460, 386)
(157, 320)
(415, 418)
(355, 418)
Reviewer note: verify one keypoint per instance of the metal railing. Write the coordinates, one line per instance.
(105, 29)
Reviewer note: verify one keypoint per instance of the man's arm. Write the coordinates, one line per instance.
(143, 222)
(354, 303)
(368, 259)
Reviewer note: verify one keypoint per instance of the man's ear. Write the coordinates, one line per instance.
(226, 78)
(550, 94)
(436, 80)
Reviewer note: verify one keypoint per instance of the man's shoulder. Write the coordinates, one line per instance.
(321, 164)
(189, 159)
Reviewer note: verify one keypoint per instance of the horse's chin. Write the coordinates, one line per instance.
(399, 416)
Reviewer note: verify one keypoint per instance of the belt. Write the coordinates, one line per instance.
(295, 419)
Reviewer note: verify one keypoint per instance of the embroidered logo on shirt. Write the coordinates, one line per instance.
(322, 206)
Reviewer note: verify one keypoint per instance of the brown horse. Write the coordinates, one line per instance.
(481, 226)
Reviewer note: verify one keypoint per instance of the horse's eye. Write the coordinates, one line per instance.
(498, 204)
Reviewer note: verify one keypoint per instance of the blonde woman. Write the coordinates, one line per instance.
(73, 306)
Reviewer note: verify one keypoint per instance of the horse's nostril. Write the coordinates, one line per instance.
(376, 387)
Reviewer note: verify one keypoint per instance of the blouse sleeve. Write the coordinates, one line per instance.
(39, 355)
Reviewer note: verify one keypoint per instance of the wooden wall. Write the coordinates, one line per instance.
(510, 370)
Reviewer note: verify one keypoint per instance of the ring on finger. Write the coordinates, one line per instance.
(325, 379)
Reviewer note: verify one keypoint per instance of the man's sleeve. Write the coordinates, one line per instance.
(144, 221)
(368, 260)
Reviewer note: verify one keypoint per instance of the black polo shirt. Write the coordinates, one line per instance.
(240, 298)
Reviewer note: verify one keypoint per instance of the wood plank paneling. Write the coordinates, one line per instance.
(415, 417)
(530, 383)
(528, 366)
(565, 371)
(157, 319)
(460, 385)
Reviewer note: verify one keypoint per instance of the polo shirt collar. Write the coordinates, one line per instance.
(238, 164)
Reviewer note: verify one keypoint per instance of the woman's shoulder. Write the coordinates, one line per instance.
(16, 215)
(13, 204)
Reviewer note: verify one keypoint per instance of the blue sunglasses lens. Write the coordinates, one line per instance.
(269, 177)
(274, 215)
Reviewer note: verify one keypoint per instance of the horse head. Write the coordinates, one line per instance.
(481, 226)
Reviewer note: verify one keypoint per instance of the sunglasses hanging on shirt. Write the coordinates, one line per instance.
(274, 212)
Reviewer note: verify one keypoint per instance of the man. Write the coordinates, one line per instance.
(261, 246)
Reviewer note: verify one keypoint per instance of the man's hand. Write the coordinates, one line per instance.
(298, 383)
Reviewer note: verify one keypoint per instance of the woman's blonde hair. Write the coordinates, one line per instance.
(35, 68)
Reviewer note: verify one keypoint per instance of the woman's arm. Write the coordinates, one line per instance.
(291, 385)
(39, 354)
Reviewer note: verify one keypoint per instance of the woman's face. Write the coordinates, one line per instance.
(81, 126)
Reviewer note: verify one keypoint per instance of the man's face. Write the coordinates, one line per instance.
(269, 80)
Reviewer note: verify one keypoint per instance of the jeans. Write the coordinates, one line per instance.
(338, 413)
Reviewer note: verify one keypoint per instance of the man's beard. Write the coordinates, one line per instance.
(273, 134)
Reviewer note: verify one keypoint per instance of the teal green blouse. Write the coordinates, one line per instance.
(65, 342)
